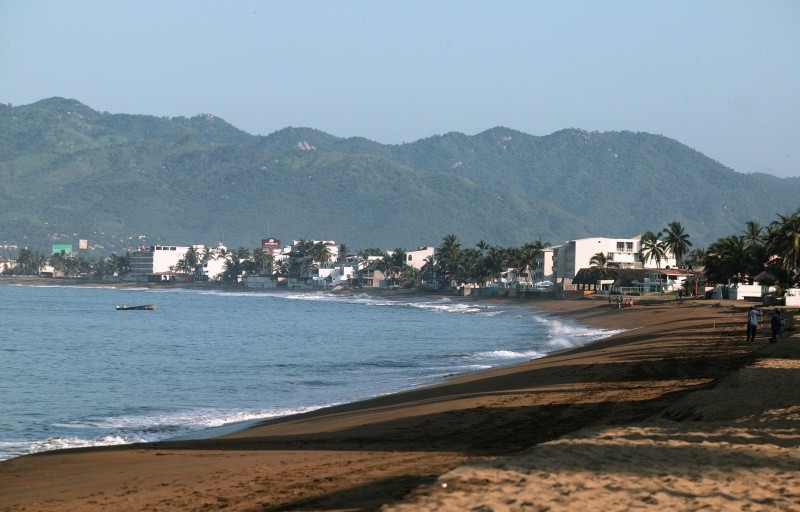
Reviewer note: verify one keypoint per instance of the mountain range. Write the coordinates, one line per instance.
(69, 172)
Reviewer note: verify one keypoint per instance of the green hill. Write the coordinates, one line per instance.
(70, 172)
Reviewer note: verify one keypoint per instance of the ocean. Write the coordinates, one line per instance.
(76, 372)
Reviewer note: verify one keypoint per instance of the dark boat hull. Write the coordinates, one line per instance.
(143, 307)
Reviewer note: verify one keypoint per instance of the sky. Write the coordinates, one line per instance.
(722, 77)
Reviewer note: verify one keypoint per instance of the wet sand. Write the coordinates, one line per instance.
(677, 412)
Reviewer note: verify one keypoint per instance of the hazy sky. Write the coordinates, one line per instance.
(722, 77)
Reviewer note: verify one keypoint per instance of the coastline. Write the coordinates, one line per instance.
(363, 455)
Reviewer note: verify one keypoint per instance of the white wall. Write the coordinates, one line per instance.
(576, 254)
(417, 258)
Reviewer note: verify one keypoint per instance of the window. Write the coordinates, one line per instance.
(620, 246)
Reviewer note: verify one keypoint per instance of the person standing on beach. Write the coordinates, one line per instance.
(752, 323)
(776, 326)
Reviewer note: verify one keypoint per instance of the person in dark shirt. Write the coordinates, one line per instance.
(776, 325)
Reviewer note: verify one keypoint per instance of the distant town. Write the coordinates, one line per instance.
(759, 264)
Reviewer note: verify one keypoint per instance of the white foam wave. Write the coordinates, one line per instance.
(443, 305)
(182, 420)
(60, 443)
(141, 428)
(510, 354)
(564, 334)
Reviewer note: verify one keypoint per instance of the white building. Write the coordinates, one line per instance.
(544, 264)
(162, 259)
(793, 297)
(624, 252)
(213, 268)
(334, 276)
(156, 259)
(417, 258)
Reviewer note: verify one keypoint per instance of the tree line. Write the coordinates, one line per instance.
(774, 249)
(771, 252)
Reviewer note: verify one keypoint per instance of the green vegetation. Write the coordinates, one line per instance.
(455, 266)
(68, 172)
(734, 258)
(603, 265)
(740, 258)
(31, 262)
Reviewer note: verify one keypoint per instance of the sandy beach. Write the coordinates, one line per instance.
(676, 413)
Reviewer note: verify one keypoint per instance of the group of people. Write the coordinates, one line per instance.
(775, 323)
(620, 302)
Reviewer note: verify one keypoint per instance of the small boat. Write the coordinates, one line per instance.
(143, 307)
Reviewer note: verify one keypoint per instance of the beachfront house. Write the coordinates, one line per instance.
(7, 265)
(371, 277)
(333, 275)
(792, 297)
(568, 259)
(742, 291)
(417, 258)
(630, 280)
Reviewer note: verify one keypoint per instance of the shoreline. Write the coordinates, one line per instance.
(392, 449)
(228, 428)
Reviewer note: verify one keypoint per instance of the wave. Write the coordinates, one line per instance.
(444, 305)
(181, 420)
(84, 286)
(562, 334)
(510, 354)
(144, 428)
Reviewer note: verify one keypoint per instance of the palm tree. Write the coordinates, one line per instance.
(262, 261)
(410, 276)
(784, 241)
(105, 267)
(233, 267)
(58, 261)
(235, 263)
(696, 256)
(676, 241)
(652, 249)
(448, 255)
(209, 253)
(319, 254)
(471, 267)
(344, 252)
(221, 252)
(726, 259)
(388, 265)
(753, 234)
(191, 259)
(292, 267)
(428, 267)
(122, 264)
(530, 253)
(497, 261)
(604, 265)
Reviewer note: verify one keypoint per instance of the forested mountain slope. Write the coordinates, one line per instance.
(69, 172)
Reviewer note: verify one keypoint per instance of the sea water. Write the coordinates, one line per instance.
(76, 372)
